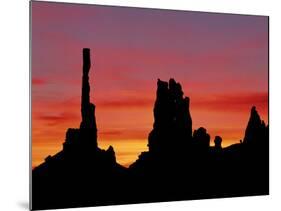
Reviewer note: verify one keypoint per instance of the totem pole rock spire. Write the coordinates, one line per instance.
(85, 97)
(87, 108)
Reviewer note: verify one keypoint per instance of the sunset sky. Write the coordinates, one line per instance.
(221, 60)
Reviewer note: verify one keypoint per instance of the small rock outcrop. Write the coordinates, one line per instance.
(201, 138)
(218, 142)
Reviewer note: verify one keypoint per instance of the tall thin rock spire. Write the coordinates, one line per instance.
(88, 124)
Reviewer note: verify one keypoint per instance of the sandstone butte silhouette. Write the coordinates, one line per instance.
(179, 164)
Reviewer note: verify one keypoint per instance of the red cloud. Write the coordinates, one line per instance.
(125, 103)
(231, 102)
(123, 134)
(38, 81)
(55, 119)
(111, 133)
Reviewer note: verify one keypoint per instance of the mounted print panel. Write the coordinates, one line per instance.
(134, 105)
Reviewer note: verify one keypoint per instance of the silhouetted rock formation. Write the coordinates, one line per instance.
(179, 164)
(73, 176)
(256, 128)
(172, 118)
(88, 125)
(218, 141)
(187, 166)
(201, 138)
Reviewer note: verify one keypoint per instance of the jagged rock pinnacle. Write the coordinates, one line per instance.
(254, 128)
(172, 120)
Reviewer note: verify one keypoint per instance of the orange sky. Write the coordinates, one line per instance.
(220, 60)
